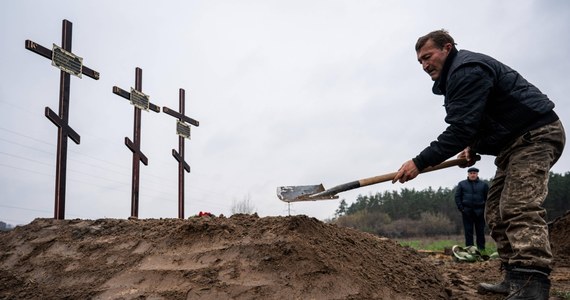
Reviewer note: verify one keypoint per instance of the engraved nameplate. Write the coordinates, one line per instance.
(182, 129)
(66, 61)
(139, 99)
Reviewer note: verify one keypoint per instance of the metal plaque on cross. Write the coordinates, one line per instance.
(66, 61)
(182, 129)
(139, 99)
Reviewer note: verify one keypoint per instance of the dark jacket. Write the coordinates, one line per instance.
(471, 194)
(488, 105)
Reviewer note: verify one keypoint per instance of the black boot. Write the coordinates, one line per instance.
(502, 287)
(529, 284)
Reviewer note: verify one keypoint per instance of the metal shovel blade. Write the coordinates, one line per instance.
(298, 193)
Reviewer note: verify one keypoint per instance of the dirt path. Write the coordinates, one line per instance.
(241, 257)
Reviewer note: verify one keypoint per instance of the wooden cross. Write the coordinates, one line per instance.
(140, 101)
(68, 63)
(183, 131)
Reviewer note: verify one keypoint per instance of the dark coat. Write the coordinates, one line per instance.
(488, 105)
(471, 194)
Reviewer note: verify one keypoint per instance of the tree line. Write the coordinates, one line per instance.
(428, 212)
(5, 226)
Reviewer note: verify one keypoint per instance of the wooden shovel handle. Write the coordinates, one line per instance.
(390, 176)
(331, 193)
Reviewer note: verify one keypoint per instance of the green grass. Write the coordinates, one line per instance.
(436, 245)
(562, 294)
(441, 243)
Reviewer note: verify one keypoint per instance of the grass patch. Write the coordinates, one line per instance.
(441, 243)
(562, 294)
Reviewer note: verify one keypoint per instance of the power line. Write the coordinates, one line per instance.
(26, 146)
(24, 208)
(150, 178)
(71, 169)
(26, 170)
(119, 166)
(27, 136)
(53, 145)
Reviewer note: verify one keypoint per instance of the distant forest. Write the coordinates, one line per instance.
(429, 212)
(5, 227)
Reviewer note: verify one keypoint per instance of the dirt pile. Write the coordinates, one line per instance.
(560, 239)
(241, 257)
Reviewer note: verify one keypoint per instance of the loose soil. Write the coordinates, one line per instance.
(240, 257)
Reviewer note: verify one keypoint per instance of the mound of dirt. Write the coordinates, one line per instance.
(241, 257)
(560, 239)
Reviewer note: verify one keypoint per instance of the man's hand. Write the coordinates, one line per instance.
(468, 154)
(407, 171)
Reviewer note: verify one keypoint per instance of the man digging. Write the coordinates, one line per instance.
(491, 109)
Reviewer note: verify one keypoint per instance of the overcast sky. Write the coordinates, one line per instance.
(286, 93)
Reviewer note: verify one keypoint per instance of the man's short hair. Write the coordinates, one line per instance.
(439, 37)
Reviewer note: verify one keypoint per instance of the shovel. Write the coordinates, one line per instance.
(318, 192)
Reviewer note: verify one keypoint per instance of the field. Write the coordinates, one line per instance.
(441, 243)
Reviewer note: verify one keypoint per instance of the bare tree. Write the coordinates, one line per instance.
(243, 207)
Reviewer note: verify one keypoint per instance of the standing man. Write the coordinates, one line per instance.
(470, 197)
(491, 109)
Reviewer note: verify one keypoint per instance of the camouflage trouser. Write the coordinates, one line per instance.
(514, 209)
